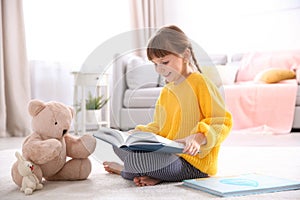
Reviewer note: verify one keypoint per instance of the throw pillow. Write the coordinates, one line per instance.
(274, 75)
(221, 74)
(228, 73)
(141, 73)
(253, 63)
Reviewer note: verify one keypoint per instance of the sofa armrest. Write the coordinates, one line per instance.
(118, 88)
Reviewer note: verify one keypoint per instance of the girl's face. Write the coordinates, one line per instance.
(173, 68)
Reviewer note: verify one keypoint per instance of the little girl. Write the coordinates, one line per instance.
(190, 110)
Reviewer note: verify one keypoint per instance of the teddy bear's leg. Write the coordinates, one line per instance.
(80, 147)
(17, 178)
(74, 169)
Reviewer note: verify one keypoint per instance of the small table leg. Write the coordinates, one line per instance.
(83, 109)
(75, 100)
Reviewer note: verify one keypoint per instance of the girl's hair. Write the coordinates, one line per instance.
(170, 40)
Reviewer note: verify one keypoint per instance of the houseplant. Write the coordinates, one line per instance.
(95, 102)
(93, 106)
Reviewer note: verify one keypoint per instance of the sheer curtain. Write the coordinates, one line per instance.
(14, 71)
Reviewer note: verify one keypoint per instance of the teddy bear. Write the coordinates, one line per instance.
(29, 181)
(56, 154)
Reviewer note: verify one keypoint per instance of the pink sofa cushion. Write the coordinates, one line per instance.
(253, 63)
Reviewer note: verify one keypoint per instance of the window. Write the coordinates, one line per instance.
(69, 30)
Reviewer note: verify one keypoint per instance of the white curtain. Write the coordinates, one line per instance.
(14, 71)
(147, 15)
(51, 81)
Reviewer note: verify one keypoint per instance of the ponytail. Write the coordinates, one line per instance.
(195, 62)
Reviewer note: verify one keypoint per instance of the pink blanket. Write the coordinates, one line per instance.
(262, 108)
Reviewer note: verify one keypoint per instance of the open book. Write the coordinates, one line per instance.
(244, 184)
(138, 141)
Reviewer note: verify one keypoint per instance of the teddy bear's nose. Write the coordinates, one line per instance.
(65, 131)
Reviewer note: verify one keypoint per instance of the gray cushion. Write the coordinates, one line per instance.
(141, 98)
(237, 57)
(211, 60)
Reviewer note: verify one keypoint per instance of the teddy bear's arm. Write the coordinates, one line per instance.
(80, 147)
(41, 151)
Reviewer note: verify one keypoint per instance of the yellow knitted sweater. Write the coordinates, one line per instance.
(193, 106)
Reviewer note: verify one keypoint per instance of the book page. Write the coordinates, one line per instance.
(112, 136)
(140, 138)
(138, 141)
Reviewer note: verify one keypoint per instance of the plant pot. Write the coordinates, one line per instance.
(93, 116)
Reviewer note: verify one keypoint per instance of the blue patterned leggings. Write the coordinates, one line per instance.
(162, 166)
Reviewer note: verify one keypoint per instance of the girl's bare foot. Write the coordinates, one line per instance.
(145, 181)
(113, 167)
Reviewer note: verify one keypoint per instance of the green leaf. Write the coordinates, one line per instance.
(94, 102)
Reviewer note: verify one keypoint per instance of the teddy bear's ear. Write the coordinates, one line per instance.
(35, 107)
(72, 111)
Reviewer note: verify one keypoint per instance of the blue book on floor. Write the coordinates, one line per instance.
(240, 185)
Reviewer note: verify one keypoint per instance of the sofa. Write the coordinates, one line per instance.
(135, 86)
(261, 101)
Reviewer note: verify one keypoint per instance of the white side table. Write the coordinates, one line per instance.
(84, 80)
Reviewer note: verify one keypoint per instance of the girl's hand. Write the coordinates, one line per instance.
(192, 143)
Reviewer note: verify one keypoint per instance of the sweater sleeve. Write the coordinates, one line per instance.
(153, 126)
(216, 121)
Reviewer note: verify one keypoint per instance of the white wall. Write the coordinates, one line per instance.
(232, 26)
(69, 30)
